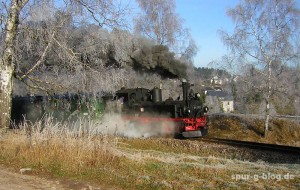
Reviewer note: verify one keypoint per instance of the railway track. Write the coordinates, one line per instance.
(257, 116)
(291, 150)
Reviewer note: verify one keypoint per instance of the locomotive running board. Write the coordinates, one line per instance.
(191, 134)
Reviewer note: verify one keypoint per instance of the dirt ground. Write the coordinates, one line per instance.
(12, 180)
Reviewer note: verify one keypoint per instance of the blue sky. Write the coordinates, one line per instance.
(204, 18)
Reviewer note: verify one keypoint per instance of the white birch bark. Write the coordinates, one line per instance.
(7, 61)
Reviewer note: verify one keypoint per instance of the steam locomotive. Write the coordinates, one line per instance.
(186, 117)
(183, 117)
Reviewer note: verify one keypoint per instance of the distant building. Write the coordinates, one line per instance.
(227, 106)
(225, 99)
(216, 81)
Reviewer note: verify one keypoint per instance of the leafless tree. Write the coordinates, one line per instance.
(263, 38)
(49, 38)
(159, 21)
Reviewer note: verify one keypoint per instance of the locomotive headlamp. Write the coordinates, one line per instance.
(205, 109)
(198, 95)
(142, 109)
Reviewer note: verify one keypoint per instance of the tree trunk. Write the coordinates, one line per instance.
(5, 95)
(7, 61)
(267, 118)
(268, 95)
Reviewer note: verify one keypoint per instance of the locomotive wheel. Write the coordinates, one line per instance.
(204, 131)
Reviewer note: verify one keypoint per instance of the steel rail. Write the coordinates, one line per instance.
(256, 145)
(291, 117)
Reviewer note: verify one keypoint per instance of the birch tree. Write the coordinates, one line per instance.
(263, 36)
(7, 62)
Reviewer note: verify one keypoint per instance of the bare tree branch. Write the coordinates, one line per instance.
(41, 60)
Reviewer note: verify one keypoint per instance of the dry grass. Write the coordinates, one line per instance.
(134, 163)
(282, 131)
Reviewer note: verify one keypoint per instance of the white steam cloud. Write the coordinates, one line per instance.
(115, 124)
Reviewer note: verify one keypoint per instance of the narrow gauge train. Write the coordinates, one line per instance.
(143, 106)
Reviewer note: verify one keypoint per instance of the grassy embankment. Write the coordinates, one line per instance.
(282, 131)
(124, 163)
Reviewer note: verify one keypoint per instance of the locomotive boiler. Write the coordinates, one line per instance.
(186, 116)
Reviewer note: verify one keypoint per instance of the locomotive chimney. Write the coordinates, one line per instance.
(185, 90)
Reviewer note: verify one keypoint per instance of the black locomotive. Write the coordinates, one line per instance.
(187, 114)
